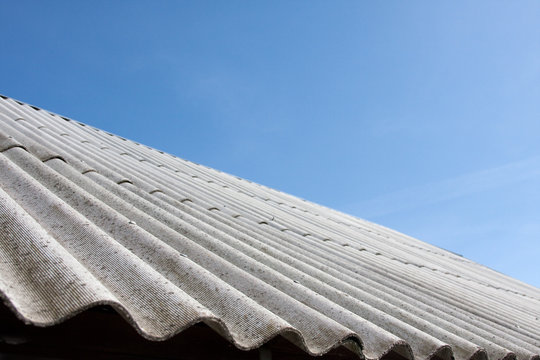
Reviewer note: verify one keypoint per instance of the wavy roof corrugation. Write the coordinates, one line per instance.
(91, 218)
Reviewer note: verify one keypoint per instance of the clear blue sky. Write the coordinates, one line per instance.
(423, 116)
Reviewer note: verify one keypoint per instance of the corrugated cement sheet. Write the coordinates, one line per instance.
(90, 218)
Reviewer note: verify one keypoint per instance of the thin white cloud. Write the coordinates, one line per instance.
(448, 189)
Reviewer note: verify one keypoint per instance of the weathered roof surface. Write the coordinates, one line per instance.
(90, 218)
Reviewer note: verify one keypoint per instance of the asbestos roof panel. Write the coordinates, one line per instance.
(89, 218)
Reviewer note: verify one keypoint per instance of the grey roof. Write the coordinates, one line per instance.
(91, 218)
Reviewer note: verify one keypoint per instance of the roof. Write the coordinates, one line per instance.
(89, 218)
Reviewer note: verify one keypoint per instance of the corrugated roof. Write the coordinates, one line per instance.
(91, 218)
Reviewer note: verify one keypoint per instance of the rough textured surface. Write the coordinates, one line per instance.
(90, 218)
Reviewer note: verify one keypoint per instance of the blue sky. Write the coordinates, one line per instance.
(421, 116)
